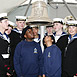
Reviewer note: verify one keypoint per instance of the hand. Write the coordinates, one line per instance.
(74, 76)
(43, 75)
(39, 76)
(8, 74)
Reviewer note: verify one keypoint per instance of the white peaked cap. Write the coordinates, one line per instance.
(71, 23)
(3, 15)
(20, 17)
(11, 23)
(58, 20)
(34, 25)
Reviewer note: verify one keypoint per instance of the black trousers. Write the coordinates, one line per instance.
(3, 75)
(65, 74)
(14, 75)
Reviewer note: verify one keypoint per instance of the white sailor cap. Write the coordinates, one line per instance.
(51, 25)
(58, 20)
(20, 18)
(11, 24)
(71, 23)
(34, 26)
(3, 16)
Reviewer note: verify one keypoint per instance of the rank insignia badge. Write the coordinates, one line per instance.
(35, 50)
(49, 55)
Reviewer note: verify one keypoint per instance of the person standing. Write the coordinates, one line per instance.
(28, 56)
(49, 30)
(16, 34)
(58, 28)
(5, 66)
(10, 27)
(68, 46)
(52, 59)
(36, 34)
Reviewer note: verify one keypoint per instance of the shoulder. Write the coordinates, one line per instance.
(54, 46)
(21, 43)
(64, 36)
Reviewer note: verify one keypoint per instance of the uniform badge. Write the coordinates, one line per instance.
(35, 50)
(49, 55)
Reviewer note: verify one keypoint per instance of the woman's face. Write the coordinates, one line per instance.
(72, 30)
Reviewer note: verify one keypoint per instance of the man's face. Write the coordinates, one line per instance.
(49, 29)
(72, 30)
(57, 26)
(35, 31)
(4, 23)
(20, 24)
(29, 34)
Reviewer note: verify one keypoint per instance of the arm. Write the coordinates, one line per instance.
(55, 63)
(43, 75)
(40, 60)
(5, 61)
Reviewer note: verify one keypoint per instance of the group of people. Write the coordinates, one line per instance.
(21, 54)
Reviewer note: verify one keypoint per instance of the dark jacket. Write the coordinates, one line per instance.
(15, 38)
(5, 65)
(69, 51)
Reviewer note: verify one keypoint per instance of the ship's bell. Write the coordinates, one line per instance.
(39, 14)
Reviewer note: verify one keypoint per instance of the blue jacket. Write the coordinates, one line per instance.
(27, 59)
(52, 61)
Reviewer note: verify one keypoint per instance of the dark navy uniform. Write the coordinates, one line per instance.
(69, 50)
(15, 38)
(5, 65)
(37, 39)
(57, 37)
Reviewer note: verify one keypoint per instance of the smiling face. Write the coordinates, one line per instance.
(72, 30)
(35, 31)
(29, 35)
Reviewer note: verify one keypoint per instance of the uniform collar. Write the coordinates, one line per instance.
(75, 36)
(5, 37)
(63, 33)
(18, 31)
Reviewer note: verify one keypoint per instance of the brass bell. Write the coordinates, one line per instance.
(39, 14)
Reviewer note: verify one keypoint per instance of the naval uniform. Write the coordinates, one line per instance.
(27, 59)
(15, 38)
(37, 39)
(58, 36)
(5, 65)
(52, 61)
(68, 47)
